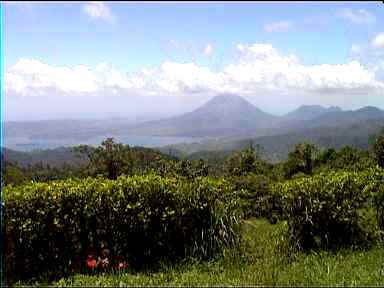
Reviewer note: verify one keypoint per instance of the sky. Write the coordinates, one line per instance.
(152, 60)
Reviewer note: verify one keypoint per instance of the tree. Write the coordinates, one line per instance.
(231, 165)
(200, 168)
(301, 159)
(326, 156)
(110, 159)
(347, 157)
(245, 162)
(192, 169)
(184, 168)
(12, 174)
(378, 149)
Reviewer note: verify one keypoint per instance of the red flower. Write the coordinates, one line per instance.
(122, 265)
(91, 262)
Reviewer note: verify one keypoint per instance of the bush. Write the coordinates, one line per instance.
(378, 148)
(256, 196)
(252, 190)
(301, 159)
(331, 210)
(379, 203)
(142, 218)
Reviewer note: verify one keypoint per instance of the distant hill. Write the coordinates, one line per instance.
(231, 116)
(308, 112)
(223, 115)
(53, 157)
(61, 156)
(333, 119)
(276, 147)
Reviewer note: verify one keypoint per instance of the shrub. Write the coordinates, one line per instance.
(301, 159)
(331, 210)
(247, 161)
(379, 203)
(256, 195)
(378, 148)
(142, 218)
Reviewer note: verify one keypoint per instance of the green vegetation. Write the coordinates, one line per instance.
(277, 146)
(301, 160)
(332, 210)
(263, 261)
(144, 218)
(379, 150)
(237, 221)
(13, 174)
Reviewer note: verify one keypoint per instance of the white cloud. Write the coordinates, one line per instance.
(208, 50)
(260, 67)
(99, 10)
(30, 76)
(370, 54)
(359, 16)
(280, 26)
(263, 66)
(33, 77)
(378, 41)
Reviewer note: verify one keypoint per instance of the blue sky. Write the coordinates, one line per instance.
(135, 36)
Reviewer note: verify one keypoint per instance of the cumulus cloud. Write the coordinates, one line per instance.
(371, 55)
(260, 67)
(30, 76)
(99, 10)
(280, 26)
(263, 65)
(33, 77)
(359, 16)
(378, 41)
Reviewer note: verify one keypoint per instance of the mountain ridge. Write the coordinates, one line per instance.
(308, 112)
(229, 115)
(222, 115)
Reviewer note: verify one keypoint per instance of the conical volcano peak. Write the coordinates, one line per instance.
(228, 104)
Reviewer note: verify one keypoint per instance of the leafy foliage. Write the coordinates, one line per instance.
(301, 159)
(331, 210)
(145, 219)
(12, 174)
(148, 207)
(347, 158)
(192, 169)
(244, 162)
(379, 150)
(255, 191)
(379, 204)
(110, 159)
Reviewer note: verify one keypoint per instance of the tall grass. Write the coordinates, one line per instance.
(263, 260)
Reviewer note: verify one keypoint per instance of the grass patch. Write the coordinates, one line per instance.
(264, 260)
